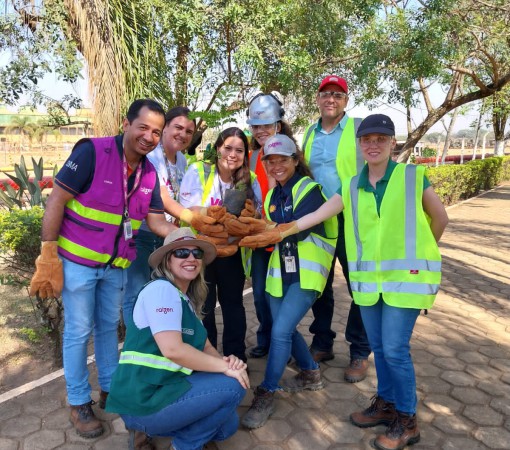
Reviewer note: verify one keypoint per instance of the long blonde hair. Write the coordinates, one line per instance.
(197, 290)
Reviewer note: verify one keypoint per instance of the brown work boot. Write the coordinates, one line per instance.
(261, 408)
(380, 412)
(321, 355)
(305, 380)
(103, 395)
(138, 440)
(357, 370)
(85, 422)
(401, 432)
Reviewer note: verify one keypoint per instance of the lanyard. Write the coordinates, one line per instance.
(125, 182)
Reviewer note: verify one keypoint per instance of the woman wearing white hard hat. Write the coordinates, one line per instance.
(265, 118)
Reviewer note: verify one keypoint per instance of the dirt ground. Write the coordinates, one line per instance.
(26, 349)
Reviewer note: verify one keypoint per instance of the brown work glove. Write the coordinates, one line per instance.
(226, 250)
(48, 279)
(213, 240)
(249, 209)
(217, 212)
(200, 221)
(237, 228)
(271, 236)
(257, 225)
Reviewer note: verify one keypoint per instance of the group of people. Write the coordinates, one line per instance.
(116, 236)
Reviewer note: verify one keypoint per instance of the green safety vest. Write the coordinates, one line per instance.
(146, 381)
(315, 252)
(395, 253)
(349, 159)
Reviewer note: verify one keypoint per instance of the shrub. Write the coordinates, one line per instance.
(457, 182)
(20, 241)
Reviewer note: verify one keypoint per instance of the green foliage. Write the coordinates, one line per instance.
(20, 241)
(460, 181)
(428, 152)
(30, 334)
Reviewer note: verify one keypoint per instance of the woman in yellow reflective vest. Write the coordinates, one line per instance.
(393, 221)
(170, 380)
(297, 273)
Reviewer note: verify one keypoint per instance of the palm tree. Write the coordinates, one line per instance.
(21, 125)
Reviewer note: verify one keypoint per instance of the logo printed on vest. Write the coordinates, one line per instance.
(216, 201)
(414, 272)
(164, 310)
(146, 190)
(107, 181)
(71, 165)
(188, 331)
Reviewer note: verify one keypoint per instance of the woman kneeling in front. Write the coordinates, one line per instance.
(171, 381)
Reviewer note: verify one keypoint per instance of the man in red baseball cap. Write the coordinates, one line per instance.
(332, 153)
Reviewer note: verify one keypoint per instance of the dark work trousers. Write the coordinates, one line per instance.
(225, 278)
(259, 264)
(323, 310)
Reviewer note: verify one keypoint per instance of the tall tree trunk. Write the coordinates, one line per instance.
(449, 133)
(477, 134)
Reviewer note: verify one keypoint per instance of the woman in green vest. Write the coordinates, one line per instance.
(393, 221)
(297, 273)
(170, 380)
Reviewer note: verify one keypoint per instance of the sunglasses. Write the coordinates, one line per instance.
(183, 253)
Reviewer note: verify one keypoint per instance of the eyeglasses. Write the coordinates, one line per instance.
(279, 162)
(379, 141)
(183, 253)
(335, 95)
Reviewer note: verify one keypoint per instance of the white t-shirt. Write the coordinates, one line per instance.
(170, 175)
(159, 307)
(192, 191)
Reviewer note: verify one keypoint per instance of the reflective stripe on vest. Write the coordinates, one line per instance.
(99, 216)
(152, 361)
(315, 252)
(408, 281)
(349, 158)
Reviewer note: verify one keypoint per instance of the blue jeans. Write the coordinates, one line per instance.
(139, 272)
(259, 263)
(287, 312)
(92, 299)
(207, 412)
(324, 306)
(389, 331)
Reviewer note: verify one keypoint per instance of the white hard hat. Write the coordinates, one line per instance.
(264, 110)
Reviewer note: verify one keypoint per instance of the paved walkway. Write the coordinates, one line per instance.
(461, 351)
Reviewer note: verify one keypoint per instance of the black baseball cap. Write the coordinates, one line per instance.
(376, 123)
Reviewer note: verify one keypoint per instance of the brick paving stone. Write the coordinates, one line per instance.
(493, 437)
(110, 442)
(483, 415)
(473, 357)
(501, 405)
(442, 404)
(453, 424)
(453, 443)
(458, 378)
(430, 436)
(41, 409)
(267, 447)
(305, 441)
(449, 363)
(75, 447)
(426, 370)
(21, 426)
(307, 419)
(11, 409)
(44, 440)
(483, 372)
(433, 385)
(275, 430)
(470, 396)
(495, 389)
(240, 441)
(343, 433)
(57, 420)
(8, 444)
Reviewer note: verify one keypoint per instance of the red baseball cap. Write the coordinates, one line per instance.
(334, 79)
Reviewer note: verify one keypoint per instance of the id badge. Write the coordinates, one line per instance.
(290, 264)
(128, 230)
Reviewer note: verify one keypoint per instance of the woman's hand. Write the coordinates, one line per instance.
(240, 375)
(234, 362)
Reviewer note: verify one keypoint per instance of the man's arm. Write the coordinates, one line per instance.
(54, 213)
(158, 224)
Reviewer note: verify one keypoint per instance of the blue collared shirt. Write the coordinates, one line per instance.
(323, 156)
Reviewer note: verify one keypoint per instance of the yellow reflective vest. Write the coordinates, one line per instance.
(395, 253)
(349, 159)
(315, 252)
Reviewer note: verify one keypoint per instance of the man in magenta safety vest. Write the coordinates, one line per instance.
(101, 195)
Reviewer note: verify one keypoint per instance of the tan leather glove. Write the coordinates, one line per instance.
(249, 209)
(201, 222)
(214, 240)
(48, 279)
(237, 228)
(257, 225)
(271, 236)
(226, 250)
(217, 212)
